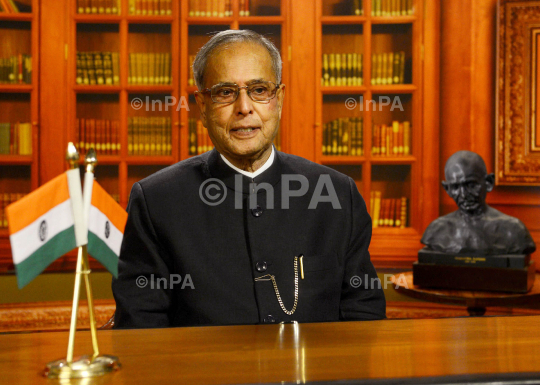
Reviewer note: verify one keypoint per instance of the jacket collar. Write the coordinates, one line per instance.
(217, 168)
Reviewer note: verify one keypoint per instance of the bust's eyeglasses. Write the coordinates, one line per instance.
(228, 92)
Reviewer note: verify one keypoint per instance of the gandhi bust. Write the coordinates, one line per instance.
(475, 227)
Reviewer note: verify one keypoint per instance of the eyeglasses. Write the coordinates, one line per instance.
(228, 92)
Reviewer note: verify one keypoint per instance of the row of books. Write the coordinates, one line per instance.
(391, 7)
(391, 140)
(388, 68)
(199, 141)
(342, 69)
(100, 134)
(150, 7)
(16, 69)
(343, 136)
(149, 136)
(149, 68)
(98, 68)
(16, 138)
(5, 200)
(12, 6)
(216, 8)
(388, 212)
(110, 7)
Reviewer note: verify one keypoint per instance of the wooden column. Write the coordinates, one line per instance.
(53, 89)
(301, 91)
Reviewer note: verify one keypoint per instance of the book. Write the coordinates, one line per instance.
(98, 67)
(391, 211)
(108, 68)
(384, 69)
(332, 66)
(167, 79)
(344, 73)
(395, 136)
(360, 67)
(339, 70)
(376, 209)
(357, 8)
(389, 68)
(401, 67)
(5, 138)
(152, 78)
(406, 138)
(403, 218)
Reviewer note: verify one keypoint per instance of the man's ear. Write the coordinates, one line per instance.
(490, 181)
(445, 185)
(201, 103)
(281, 95)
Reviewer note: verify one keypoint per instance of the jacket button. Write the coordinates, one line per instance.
(261, 266)
(269, 319)
(257, 211)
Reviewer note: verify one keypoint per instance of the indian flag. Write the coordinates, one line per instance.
(46, 224)
(106, 223)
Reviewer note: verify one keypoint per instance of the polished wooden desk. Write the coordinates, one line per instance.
(475, 301)
(301, 353)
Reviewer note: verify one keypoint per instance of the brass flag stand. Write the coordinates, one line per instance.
(84, 366)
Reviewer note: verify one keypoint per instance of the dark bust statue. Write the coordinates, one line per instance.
(475, 228)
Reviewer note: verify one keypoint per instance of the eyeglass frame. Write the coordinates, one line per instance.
(209, 90)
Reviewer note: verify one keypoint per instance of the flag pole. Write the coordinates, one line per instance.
(90, 162)
(84, 366)
(72, 157)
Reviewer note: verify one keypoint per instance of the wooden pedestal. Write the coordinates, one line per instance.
(474, 278)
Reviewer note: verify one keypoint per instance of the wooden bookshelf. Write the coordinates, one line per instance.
(19, 174)
(125, 33)
(394, 176)
(302, 29)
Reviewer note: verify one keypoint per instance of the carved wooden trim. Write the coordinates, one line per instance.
(47, 316)
(517, 156)
(414, 309)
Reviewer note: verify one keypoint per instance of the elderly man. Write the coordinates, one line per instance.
(475, 227)
(244, 234)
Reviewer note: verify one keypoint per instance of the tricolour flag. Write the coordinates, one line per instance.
(46, 224)
(106, 223)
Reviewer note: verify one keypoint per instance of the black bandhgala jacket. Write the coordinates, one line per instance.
(212, 254)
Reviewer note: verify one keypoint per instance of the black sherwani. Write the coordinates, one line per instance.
(170, 230)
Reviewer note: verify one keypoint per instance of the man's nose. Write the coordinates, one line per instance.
(244, 104)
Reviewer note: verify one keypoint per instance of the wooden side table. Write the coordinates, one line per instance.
(475, 301)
